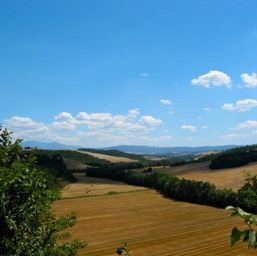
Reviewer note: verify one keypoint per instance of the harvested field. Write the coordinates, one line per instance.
(151, 225)
(92, 186)
(112, 159)
(223, 178)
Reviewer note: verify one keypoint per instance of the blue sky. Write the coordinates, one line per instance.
(101, 73)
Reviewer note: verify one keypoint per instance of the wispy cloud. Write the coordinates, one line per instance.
(144, 75)
(249, 124)
(212, 79)
(241, 105)
(166, 102)
(191, 128)
(233, 136)
(249, 80)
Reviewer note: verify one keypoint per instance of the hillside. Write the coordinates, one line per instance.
(110, 158)
(151, 225)
(223, 178)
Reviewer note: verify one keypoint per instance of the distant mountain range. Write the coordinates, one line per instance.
(45, 145)
(134, 149)
(169, 150)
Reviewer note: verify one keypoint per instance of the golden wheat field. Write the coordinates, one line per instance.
(152, 225)
(113, 159)
(233, 178)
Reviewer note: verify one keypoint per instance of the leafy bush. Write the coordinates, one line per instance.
(28, 226)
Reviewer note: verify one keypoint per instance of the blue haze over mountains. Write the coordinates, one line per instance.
(132, 148)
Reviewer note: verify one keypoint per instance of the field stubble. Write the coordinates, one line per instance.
(151, 224)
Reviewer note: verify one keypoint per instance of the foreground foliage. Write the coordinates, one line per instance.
(248, 235)
(123, 250)
(28, 225)
(248, 197)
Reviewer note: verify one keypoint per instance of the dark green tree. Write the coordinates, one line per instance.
(28, 225)
(247, 194)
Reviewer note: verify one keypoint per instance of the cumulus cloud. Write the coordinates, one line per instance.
(166, 102)
(191, 128)
(250, 124)
(27, 129)
(64, 126)
(63, 116)
(149, 120)
(207, 109)
(25, 123)
(213, 78)
(249, 80)
(89, 129)
(241, 105)
(134, 113)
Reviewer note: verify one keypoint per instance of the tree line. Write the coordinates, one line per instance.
(199, 192)
(235, 157)
(192, 191)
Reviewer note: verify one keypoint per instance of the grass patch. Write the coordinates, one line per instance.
(106, 194)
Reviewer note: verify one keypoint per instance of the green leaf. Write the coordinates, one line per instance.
(119, 251)
(235, 235)
(241, 212)
(252, 239)
(231, 208)
(245, 234)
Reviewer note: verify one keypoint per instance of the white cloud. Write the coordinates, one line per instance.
(207, 109)
(134, 113)
(213, 78)
(149, 120)
(25, 123)
(144, 75)
(192, 128)
(249, 124)
(63, 116)
(228, 106)
(27, 129)
(205, 127)
(166, 102)
(89, 129)
(241, 105)
(233, 136)
(143, 139)
(64, 126)
(249, 80)
(84, 116)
